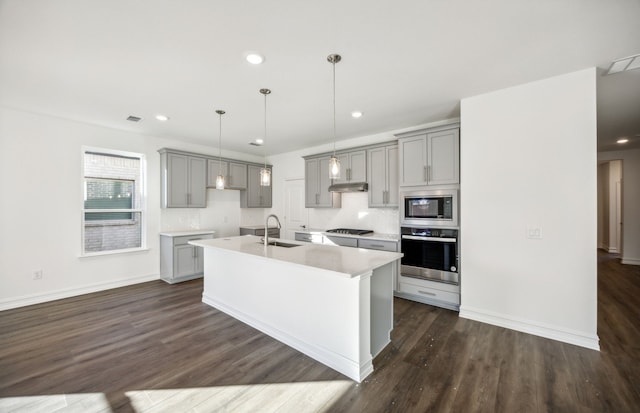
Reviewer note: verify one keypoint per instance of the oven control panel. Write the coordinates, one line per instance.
(430, 232)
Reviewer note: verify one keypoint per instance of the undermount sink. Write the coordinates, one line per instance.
(282, 244)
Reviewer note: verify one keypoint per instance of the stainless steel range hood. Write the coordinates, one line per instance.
(350, 187)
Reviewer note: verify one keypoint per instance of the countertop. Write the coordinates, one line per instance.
(375, 236)
(187, 233)
(348, 262)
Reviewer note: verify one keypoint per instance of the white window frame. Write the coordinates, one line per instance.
(141, 188)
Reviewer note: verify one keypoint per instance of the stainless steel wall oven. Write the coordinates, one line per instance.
(430, 254)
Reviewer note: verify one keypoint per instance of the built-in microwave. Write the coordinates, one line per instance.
(429, 207)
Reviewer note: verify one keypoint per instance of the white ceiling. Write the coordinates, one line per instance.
(405, 63)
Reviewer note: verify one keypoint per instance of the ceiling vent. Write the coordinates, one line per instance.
(621, 65)
(132, 118)
(255, 144)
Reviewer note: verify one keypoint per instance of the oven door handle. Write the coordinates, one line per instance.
(428, 239)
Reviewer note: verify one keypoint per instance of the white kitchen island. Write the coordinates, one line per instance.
(334, 304)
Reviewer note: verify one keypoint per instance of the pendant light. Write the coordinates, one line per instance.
(220, 177)
(334, 162)
(265, 173)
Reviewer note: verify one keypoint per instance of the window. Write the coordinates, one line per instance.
(113, 201)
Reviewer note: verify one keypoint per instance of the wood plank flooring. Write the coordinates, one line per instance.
(155, 347)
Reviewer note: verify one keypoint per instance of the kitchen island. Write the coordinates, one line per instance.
(334, 304)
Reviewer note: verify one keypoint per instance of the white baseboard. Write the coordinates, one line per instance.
(631, 261)
(349, 368)
(25, 300)
(526, 326)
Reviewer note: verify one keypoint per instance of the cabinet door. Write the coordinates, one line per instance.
(253, 186)
(184, 260)
(197, 182)
(215, 168)
(413, 165)
(377, 177)
(237, 175)
(256, 195)
(324, 196)
(444, 154)
(392, 176)
(358, 166)
(353, 167)
(311, 179)
(177, 180)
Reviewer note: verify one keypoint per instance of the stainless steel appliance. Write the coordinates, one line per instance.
(350, 231)
(429, 208)
(430, 254)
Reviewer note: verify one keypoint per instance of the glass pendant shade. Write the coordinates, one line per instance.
(334, 168)
(265, 176)
(220, 182)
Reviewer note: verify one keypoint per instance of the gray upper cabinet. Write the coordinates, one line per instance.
(256, 195)
(430, 157)
(317, 184)
(237, 178)
(184, 180)
(382, 176)
(353, 167)
(214, 168)
(235, 173)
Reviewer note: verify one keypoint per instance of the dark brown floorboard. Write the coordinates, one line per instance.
(159, 336)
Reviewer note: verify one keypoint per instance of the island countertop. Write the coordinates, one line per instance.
(348, 262)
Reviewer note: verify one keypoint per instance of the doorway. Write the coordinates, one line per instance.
(296, 215)
(610, 211)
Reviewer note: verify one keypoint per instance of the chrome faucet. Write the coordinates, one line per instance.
(266, 228)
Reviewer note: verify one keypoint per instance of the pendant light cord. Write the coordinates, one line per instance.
(220, 145)
(264, 149)
(334, 108)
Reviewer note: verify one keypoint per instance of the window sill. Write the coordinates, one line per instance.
(112, 252)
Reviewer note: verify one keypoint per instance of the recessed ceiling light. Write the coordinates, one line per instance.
(356, 114)
(254, 58)
(259, 141)
(162, 118)
(622, 140)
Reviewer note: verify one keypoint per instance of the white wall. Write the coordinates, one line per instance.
(630, 202)
(528, 159)
(40, 159)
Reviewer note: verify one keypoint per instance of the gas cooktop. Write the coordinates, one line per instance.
(350, 231)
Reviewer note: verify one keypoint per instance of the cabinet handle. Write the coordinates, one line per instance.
(194, 252)
(424, 173)
(317, 197)
(376, 246)
(349, 174)
(428, 173)
(384, 197)
(426, 292)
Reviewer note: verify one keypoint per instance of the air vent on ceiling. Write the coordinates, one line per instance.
(255, 144)
(628, 63)
(134, 118)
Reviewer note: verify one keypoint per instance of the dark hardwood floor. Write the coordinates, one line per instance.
(156, 347)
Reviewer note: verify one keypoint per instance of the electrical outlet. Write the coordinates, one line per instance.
(37, 275)
(534, 232)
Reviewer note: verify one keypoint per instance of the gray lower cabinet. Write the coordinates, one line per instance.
(184, 180)
(259, 231)
(256, 195)
(180, 261)
(342, 241)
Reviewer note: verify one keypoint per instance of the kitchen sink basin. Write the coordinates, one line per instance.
(282, 244)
